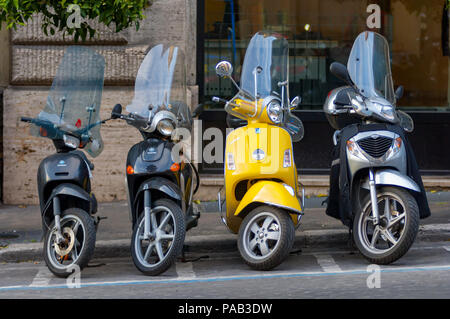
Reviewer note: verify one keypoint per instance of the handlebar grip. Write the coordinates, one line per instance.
(115, 115)
(219, 100)
(26, 119)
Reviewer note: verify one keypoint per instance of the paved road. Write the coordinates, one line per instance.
(313, 273)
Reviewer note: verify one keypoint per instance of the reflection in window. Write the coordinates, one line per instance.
(321, 32)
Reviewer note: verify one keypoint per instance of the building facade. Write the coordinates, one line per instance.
(319, 33)
(27, 73)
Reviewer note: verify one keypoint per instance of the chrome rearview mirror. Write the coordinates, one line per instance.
(295, 102)
(224, 69)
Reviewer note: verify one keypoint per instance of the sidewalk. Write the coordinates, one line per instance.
(21, 232)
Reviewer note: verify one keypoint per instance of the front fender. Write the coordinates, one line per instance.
(393, 178)
(72, 190)
(160, 184)
(272, 194)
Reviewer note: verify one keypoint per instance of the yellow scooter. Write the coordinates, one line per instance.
(263, 202)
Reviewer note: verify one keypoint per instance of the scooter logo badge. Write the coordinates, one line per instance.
(258, 154)
(61, 163)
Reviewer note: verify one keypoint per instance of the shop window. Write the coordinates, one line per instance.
(321, 32)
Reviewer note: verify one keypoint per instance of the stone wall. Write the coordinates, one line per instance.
(34, 60)
(23, 152)
(4, 56)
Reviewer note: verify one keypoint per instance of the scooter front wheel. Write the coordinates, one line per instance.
(266, 237)
(155, 253)
(76, 250)
(392, 237)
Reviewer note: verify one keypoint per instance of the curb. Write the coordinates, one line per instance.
(329, 238)
(317, 201)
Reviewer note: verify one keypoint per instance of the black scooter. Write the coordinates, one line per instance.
(160, 187)
(375, 185)
(70, 120)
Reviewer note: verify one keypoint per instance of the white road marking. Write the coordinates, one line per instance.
(234, 277)
(327, 263)
(185, 270)
(42, 277)
(447, 248)
(438, 227)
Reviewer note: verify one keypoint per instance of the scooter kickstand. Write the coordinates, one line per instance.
(97, 221)
(99, 218)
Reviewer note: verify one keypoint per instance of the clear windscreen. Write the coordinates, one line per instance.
(73, 103)
(265, 67)
(161, 85)
(369, 66)
(268, 54)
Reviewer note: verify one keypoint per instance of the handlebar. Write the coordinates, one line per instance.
(131, 119)
(240, 106)
(219, 100)
(53, 131)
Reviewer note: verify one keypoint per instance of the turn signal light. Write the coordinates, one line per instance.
(287, 158)
(175, 167)
(130, 170)
(230, 162)
(43, 132)
(398, 142)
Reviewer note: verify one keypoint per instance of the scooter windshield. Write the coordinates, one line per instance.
(369, 66)
(161, 85)
(265, 65)
(73, 103)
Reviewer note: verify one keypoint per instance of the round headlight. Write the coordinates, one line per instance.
(388, 112)
(275, 112)
(165, 127)
(71, 141)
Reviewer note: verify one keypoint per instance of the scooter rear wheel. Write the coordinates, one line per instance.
(78, 229)
(154, 255)
(266, 237)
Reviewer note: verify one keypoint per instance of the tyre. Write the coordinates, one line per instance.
(398, 227)
(78, 230)
(266, 237)
(154, 255)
